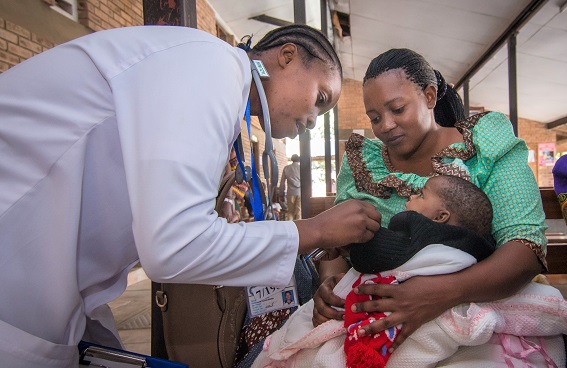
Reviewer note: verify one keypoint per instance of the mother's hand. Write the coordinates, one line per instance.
(412, 303)
(324, 300)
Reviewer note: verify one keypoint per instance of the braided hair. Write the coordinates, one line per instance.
(449, 108)
(312, 41)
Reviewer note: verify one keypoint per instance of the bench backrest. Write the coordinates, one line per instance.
(556, 248)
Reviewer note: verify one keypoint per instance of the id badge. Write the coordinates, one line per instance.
(264, 299)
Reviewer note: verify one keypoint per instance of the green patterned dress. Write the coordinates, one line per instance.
(490, 156)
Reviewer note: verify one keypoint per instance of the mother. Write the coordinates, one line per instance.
(422, 132)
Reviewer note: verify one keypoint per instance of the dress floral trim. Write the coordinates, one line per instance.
(400, 182)
(363, 177)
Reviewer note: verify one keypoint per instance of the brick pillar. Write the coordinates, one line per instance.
(170, 12)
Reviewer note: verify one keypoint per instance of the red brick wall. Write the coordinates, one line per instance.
(534, 133)
(561, 146)
(106, 14)
(351, 107)
(206, 17)
(18, 44)
(351, 113)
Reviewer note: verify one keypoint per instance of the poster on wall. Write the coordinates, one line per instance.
(546, 154)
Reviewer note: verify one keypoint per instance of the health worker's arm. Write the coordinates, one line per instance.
(178, 114)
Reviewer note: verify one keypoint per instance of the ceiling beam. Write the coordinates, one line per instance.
(556, 123)
(271, 20)
(525, 15)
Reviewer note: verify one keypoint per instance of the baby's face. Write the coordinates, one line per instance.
(427, 202)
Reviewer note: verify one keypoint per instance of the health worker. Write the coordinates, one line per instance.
(112, 148)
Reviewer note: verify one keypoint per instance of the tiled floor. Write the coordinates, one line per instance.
(132, 313)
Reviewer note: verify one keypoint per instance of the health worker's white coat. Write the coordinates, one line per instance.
(112, 147)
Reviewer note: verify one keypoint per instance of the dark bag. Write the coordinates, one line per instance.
(202, 323)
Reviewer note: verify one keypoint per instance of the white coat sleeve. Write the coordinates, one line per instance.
(178, 111)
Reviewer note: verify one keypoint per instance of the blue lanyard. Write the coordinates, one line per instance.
(257, 207)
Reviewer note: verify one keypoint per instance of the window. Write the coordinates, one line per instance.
(66, 7)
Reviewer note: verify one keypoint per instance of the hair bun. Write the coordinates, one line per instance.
(441, 85)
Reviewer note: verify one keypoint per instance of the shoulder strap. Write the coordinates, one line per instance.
(226, 184)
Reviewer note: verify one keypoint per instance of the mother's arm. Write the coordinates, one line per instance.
(423, 298)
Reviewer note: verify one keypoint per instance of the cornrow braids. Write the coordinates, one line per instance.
(311, 40)
(441, 84)
(449, 108)
(468, 202)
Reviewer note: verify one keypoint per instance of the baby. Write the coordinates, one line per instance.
(449, 211)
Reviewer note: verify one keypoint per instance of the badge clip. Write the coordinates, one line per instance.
(261, 68)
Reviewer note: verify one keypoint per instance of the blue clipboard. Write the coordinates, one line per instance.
(93, 355)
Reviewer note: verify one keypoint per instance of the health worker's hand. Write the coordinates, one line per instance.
(411, 303)
(352, 221)
(324, 300)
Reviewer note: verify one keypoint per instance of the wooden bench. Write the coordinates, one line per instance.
(557, 243)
